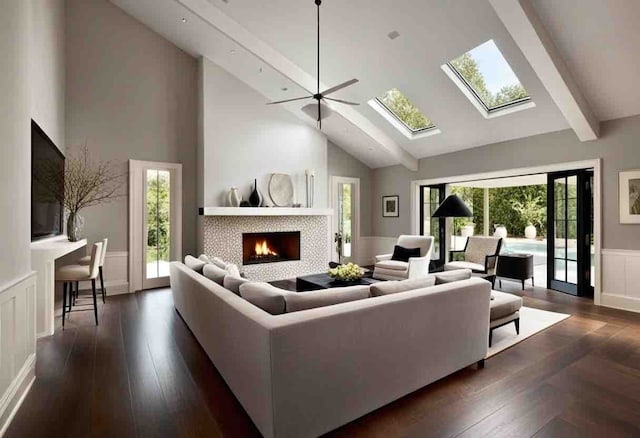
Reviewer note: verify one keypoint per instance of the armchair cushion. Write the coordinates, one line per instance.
(453, 266)
(403, 254)
(393, 265)
(478, 247)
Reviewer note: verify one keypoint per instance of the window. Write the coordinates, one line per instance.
(403, 114)
(486, 78)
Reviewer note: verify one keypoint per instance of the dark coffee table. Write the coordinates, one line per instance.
(307, 283)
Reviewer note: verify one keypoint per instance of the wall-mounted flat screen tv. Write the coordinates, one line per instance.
(47, 176)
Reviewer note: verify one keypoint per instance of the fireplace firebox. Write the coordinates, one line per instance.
(272, 247)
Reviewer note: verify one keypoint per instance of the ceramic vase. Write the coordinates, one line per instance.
(75, 225)
(233, 197)
(530, 232)
(501, 231)
(255, 199)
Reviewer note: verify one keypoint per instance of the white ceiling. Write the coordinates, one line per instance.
(355, 44)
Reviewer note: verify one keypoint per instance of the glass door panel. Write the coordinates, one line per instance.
(345, 220)
(569, 217)
(431, 197)
(157, 224)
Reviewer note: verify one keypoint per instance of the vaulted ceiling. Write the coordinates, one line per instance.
(587, 75)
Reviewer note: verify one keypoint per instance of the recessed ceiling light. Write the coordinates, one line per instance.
(284, 89)
(393, 35)
(233, 52)
(184, 20)
(260, 70)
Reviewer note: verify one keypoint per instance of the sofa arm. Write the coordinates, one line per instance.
(419, 266)
(380, 258)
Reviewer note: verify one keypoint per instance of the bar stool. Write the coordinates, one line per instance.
(71, 274)
(87, 259)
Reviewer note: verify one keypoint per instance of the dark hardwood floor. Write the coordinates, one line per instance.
(142, 373)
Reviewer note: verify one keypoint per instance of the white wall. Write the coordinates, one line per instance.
(245, 139)
(17, 285)
(47, 67)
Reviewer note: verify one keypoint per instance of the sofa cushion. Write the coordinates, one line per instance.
(204, 258)
(219, 262)
(212, 272)
(233, 283)
(403, 254)
(451, 276)
(263, 295)
(193, 263)
(295, 301)
(277, 301)
(392, 265)
(504, 304)
(393, 287)
(452, 266)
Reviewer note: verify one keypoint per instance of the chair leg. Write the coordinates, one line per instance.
(481, 364)
(517, 323)
(95, 303)
(490, 336)
(64, 302)
(522, 284)
(104, 292)
(533, 284)
(77, 294)
(500, 282)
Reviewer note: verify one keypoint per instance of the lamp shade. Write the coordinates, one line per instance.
(453, 206)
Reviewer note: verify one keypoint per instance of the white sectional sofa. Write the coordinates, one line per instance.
(304, 373)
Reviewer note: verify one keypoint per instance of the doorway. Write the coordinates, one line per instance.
(430, 198)
(570, 224)
(345, 200)
(155, 222)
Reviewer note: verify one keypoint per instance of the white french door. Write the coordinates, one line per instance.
(155, 211)
(345, 201)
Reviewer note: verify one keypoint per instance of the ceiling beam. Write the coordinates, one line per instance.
(271, 57)
(526, 28)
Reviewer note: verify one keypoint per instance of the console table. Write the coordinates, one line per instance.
(43, 260)
(515, 267)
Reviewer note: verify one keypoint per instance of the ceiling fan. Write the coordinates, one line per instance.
(318, 96)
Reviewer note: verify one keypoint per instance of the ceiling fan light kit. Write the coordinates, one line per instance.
(320, 110)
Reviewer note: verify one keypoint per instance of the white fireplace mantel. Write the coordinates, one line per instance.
(266, 211)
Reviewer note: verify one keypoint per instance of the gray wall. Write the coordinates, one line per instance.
(131, 94)
(340, 163)
(243, 139)
(618, 146)
(47, 67)
(15, 143)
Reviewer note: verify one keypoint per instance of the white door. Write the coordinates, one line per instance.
(155, 202)
(345, 200)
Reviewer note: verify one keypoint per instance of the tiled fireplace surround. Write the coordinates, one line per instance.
(223, 238)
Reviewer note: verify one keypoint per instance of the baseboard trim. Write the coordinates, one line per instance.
(620, 302)
(17, 392)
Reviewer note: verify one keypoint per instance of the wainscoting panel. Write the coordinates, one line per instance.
(116, 273)
(17, 345)
(621, 279)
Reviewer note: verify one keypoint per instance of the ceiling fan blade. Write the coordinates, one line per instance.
(342, 101)
(289, 100)
(339, 87)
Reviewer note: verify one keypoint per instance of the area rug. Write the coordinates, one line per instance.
(532, 321)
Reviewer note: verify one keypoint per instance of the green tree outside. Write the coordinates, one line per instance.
(158, 216)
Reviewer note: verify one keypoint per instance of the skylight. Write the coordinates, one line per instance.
(406, 112)
(486, 74)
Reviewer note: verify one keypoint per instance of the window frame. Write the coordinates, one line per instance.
(386, 112)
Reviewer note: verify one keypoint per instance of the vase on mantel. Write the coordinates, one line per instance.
(255, 199)
(233, 197)
(75, 224)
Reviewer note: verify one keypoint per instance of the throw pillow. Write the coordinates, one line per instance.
(451, 276)
(212, 272)
(193, 263)
(263, 295)
(204, 258)
(219, 262)
(402, 254)
(233, 283)
(233, 270)
(393, 287)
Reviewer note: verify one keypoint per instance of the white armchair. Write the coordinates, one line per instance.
(416, 267)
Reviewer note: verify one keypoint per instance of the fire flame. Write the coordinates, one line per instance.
(262, 249)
